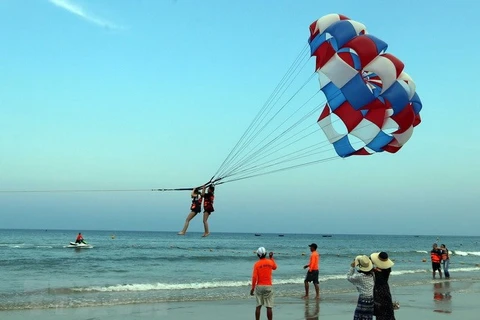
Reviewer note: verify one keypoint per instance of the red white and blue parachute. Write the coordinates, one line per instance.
(369, 105)
(367, 90)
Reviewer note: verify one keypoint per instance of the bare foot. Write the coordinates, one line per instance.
(305, 297)
(206, 235)
(181, 233)
(317, 297)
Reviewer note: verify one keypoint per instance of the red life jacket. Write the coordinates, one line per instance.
(436, 256)
(196, 204)
(208, 202)
(445, 255)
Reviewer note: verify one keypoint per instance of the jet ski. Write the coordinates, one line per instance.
(79, 245)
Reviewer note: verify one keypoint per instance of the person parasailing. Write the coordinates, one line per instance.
(195, 208)
(208, 199)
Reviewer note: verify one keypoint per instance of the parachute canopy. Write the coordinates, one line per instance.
(369, 104)
(372, 104)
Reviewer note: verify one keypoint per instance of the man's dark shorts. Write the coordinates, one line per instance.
(436, 266)
(312, 276)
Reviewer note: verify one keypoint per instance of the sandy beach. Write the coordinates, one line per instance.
(440, 299)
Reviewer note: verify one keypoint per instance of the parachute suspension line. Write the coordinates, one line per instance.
(279, 87)
(255, 135)
(321, 144)
(260, 150)
(94, 190)
(281, 169)
(255, 131)
(295, 155)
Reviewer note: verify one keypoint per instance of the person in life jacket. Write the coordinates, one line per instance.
(208, 199)
(79, 238)
(445, 260)
(436, 256)
(195, 208)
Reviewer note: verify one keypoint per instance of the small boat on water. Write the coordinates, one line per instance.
(326, 235)
(79, 245)
(257, 234)
(280, 235)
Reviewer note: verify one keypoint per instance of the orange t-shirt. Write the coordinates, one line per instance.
(262, 272)
(314, 260)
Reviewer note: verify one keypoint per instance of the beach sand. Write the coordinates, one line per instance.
(441, 299)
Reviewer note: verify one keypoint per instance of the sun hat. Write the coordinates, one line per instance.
(364, 263)
(261, 251)
(313, 245)
(381, 260)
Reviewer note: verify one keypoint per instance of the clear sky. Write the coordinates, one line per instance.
(154, 94)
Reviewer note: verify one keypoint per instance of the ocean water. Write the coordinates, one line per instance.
(37, 270)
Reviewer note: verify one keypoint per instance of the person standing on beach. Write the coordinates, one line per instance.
(195, 208)
(436, 257)
(363, 280)
(208, 199)
(262, 282)
(445, 260)
(312, 274)
(383, 309)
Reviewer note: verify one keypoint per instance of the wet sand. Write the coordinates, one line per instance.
(440, 299)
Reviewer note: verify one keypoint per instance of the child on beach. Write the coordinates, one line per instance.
(363, 280)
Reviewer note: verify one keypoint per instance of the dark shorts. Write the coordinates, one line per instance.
(208, 209)
(196, 209)
(312, 276)
(436, 266)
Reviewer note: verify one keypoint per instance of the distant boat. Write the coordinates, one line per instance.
(327, 235)
(280, 235)
(257, 234)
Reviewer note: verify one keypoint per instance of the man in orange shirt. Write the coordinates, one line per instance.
(262, 282)
(312, 274)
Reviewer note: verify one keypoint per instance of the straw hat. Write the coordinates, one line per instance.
(364, 263)
(381, 260)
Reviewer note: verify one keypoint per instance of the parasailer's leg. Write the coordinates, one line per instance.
(205, 223)
(190, 216)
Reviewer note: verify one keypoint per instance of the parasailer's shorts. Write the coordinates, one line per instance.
(264, 295)
(208, 209)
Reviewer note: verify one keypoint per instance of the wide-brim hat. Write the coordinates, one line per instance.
(381, 260)
(364, 263)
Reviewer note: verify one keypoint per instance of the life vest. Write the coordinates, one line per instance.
(208, 202)
(196, 204)
(445, 255)
(436, 256)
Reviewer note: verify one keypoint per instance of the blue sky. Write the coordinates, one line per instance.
(155, 94)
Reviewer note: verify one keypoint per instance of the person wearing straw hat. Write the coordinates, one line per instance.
(362, 278)
(383, 307)
(262, 282)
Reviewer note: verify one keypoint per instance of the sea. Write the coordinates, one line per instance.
(38, 270)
